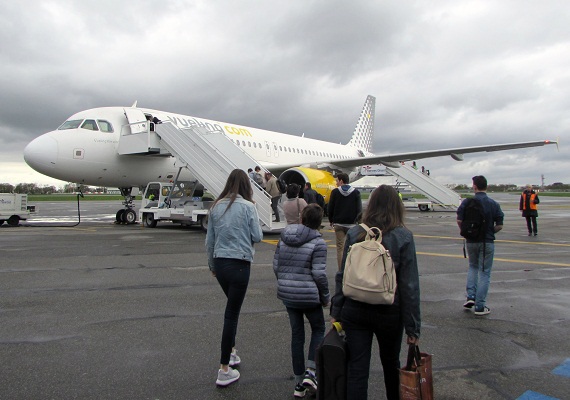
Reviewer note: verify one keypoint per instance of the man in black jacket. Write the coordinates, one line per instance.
(345, 207)
(309, 194)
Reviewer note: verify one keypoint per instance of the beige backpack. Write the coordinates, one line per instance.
(369, 273)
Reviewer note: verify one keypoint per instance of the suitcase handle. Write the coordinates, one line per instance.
(337, 326)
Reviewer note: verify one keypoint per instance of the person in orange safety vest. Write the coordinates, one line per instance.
(528, 206)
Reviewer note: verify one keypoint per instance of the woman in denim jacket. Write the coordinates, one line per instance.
(233, 227)
(361, 321)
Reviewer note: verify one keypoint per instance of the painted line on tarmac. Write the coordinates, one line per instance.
(530, 395)
(423, 253)
(499, 241)
(563, 369)
(510, 260)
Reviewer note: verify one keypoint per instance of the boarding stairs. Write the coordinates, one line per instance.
(439, 194)
(210, 156)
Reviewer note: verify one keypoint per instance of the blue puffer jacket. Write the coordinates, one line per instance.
(300, 267)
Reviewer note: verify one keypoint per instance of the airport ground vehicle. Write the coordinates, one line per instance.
(14, 208)
(423, 205)
(181, 202)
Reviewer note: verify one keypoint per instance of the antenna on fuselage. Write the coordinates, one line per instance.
(134, 104)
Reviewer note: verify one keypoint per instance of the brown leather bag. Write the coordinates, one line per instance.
(416, 382)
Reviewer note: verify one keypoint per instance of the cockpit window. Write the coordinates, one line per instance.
(71, 124)
(90, 124)
(105, 126)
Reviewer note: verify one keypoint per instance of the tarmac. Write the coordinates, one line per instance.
(105, 311)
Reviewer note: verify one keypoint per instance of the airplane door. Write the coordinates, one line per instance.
(137, 120)
(267, 149)
(275, 149)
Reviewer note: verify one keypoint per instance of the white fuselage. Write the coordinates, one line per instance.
(91, 157)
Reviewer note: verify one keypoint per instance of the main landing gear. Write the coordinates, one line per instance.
(127, 215)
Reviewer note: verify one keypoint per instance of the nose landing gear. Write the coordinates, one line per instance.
(127, 215)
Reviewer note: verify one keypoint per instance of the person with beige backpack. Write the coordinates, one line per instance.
(386, 315)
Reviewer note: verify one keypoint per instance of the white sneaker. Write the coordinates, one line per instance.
(310, 382)
(234, 359)
(225, 378)
(484, 311)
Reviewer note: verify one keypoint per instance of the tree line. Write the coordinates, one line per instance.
(557, 186)
(33, 188)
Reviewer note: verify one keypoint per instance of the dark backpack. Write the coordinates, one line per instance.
(282, 186)
(474, 225)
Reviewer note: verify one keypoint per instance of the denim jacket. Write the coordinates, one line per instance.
(232, 232)
(400, 242)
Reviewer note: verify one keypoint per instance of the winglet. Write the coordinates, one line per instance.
(134, 104)
(364, 131)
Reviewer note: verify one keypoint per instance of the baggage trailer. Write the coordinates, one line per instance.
(14, 208)
(181, 202)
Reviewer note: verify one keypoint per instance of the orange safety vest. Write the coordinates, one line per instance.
(533, 206)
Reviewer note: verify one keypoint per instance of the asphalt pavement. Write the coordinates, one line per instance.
(105, 311)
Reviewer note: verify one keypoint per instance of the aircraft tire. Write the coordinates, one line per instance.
(129, 216)
(148, 220)
(14, 220)
(1, 221)
(119, 216)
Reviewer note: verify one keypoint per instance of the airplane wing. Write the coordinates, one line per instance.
(393, 160)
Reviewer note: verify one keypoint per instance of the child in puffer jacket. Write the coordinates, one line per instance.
(300, 267)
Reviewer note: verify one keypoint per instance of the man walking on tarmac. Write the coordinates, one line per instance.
(480, 251)
(345, 206)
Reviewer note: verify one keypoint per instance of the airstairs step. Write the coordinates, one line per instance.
(439, 194)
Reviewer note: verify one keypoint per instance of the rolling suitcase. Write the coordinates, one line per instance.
(331, 365)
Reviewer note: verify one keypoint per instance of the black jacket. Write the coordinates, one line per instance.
(400, 243)
(345, 205)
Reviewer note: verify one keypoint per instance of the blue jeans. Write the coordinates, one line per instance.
(316, 319)
(233, 276)
(361, 322)
(479, 273)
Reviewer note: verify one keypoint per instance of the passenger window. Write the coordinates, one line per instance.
(105, 126)
(71, 124)
(90, 124)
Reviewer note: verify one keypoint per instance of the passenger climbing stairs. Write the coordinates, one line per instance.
(210, 157)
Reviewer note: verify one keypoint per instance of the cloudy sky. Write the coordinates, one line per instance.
(444, 73)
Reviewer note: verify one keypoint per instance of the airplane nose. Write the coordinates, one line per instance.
(41, 153)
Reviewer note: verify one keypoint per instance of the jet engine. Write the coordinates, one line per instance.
(321, 181)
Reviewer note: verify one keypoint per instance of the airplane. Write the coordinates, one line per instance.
(86, 149)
